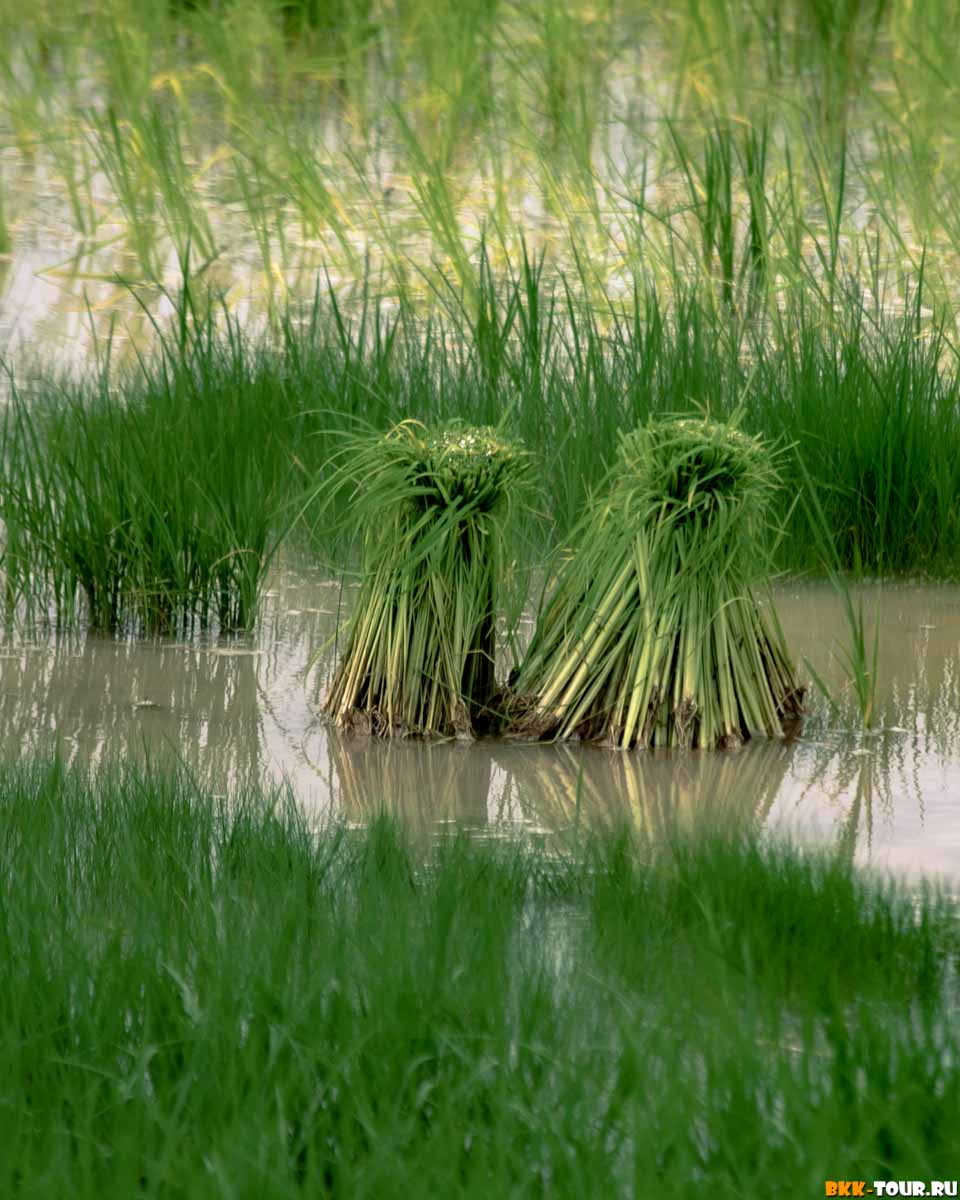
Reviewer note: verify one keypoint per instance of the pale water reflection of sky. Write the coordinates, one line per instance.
(248, 708)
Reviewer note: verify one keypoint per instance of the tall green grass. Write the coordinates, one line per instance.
(214, 998)
(744, 145)
(5, 242)
(153, 500)
(145, 493)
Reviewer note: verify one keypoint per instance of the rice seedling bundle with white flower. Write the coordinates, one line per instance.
(652, 634)
(421, 643)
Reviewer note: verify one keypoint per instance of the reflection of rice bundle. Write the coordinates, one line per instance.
(651, 635)
(559, 786)
(421, 642)
(422, 783)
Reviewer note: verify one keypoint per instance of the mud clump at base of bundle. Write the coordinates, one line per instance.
(421, 643)
(652, 633)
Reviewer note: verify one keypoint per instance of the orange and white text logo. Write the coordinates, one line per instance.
(890, 1187)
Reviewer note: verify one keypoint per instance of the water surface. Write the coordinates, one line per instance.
(249, 708)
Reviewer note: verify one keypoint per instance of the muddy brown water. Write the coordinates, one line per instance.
(248, 708)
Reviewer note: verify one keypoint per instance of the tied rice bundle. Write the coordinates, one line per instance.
(652, 635)
(421, 643)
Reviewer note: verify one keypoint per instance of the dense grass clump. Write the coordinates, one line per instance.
(421, 644)
(219, 433)
(651, 634)
(149, 501)
(212, 998)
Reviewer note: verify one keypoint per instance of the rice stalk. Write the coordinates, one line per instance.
(652, 635)
(5, 242)
(421, 643)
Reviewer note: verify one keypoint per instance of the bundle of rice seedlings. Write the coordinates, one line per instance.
(652, 635)
(421, 643)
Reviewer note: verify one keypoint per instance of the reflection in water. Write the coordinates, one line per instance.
(561, 786)
(424, 783)
(246, 709)
(551, 788)
(95, 697)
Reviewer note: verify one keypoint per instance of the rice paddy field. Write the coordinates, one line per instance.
(480, 562)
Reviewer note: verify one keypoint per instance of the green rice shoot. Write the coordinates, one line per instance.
(652, 634)
(421, 644)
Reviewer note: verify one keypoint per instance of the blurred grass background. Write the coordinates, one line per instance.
(214, 997)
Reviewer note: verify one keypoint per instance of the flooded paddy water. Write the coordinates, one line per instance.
(237, 237)
(248, 708)
(274, 165)
(644, 155)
